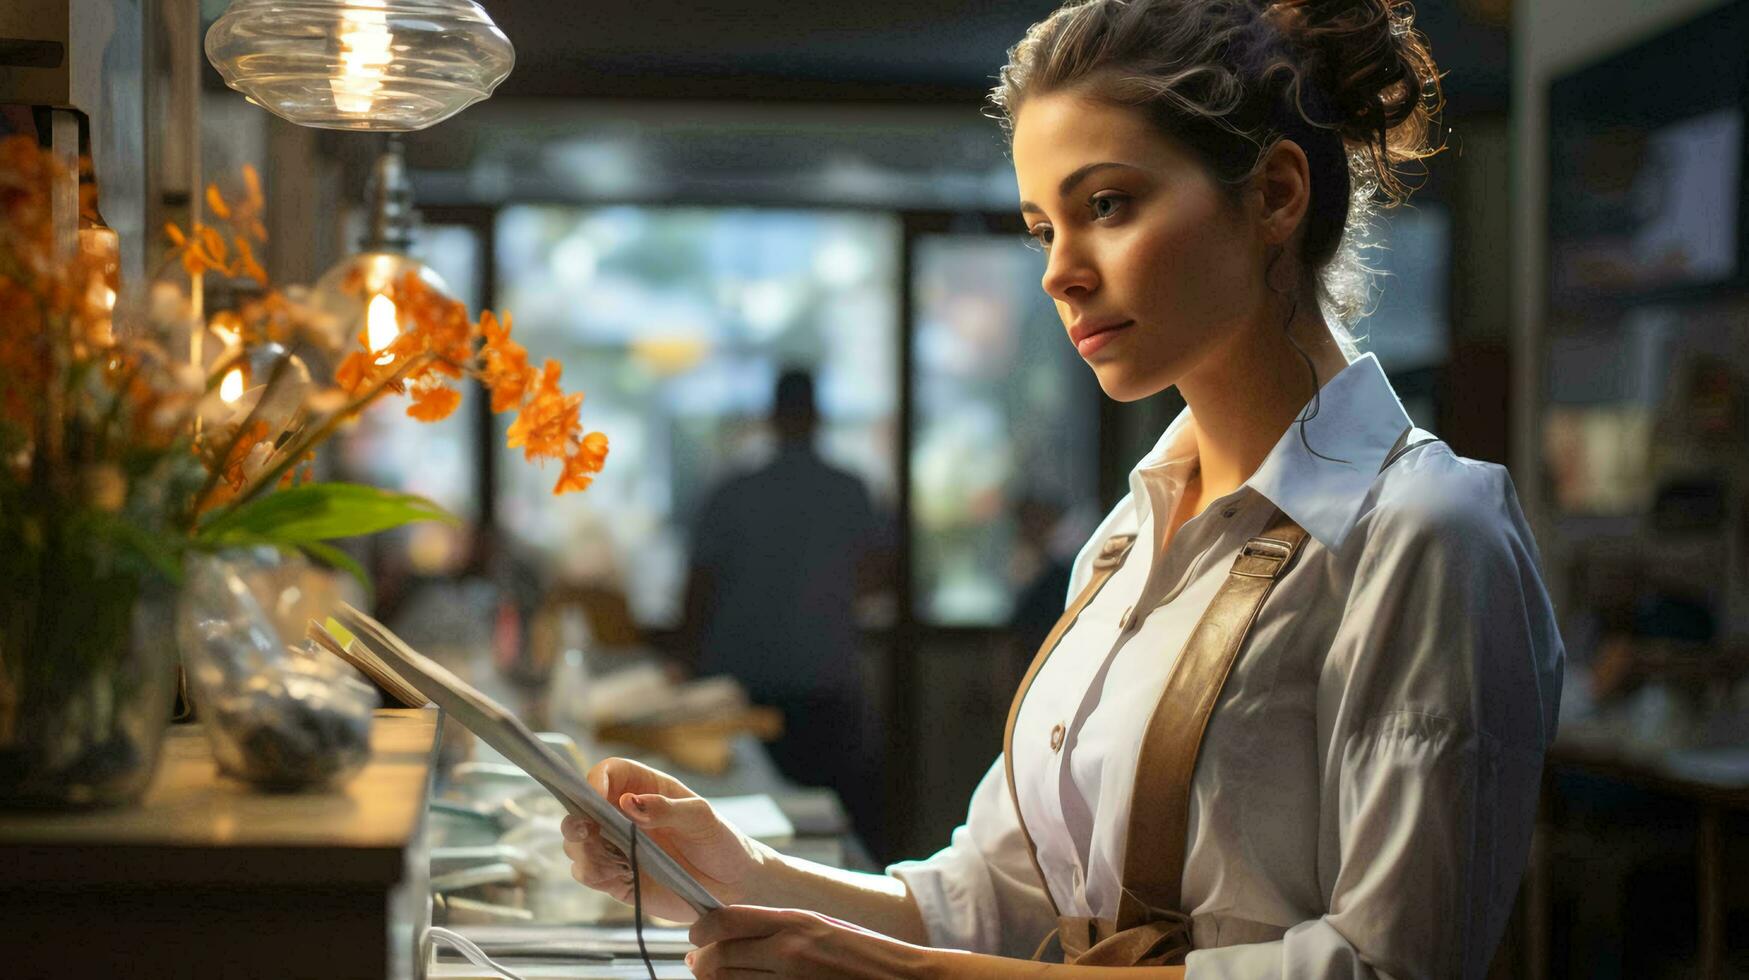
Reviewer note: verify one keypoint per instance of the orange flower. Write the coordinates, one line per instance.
(433, 402)
(545, 425)
(248, 211)
(582, 465)
(594, 450)
(572, 479)
(430, 323)
(303, 466)
(239, 454)
(195, 260)
(227, 321)
(215, 202)
(214, 244)
(246, 264)
(506, 369)
(353, 374)
(218, 496)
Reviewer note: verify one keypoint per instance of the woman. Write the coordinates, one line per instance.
(1294, 719)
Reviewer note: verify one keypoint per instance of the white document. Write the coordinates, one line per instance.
(506, 733)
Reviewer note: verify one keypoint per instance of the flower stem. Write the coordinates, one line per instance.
(311, 437)
(213, 476)
(112, 415)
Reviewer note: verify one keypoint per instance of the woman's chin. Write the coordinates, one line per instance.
(1121, 382)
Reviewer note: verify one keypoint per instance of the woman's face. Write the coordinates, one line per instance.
(1153, 266)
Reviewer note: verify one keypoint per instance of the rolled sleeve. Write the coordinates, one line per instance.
(1436, 706)
(981, 892)
(1433, 822)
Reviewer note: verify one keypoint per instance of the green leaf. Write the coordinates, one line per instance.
(163, 552)
(339, 559)
(317, 512)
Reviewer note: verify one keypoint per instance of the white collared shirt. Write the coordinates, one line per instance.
(1363, 800)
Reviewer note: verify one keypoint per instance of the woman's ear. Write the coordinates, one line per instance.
(1283, 187)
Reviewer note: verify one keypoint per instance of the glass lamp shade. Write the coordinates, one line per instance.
(382, 65)
(351, 295)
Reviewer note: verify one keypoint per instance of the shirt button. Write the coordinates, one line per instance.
(1057, 732)
(1229, 512)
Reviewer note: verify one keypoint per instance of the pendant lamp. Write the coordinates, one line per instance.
(355, 292)
(382, 65)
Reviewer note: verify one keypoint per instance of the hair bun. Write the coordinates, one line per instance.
(1375, 70)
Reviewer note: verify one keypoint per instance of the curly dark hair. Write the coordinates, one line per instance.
(1350, 81)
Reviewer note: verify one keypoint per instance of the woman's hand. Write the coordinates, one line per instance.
(747, 941)
(675, 819)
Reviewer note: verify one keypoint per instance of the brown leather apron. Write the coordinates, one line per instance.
(1150, 929)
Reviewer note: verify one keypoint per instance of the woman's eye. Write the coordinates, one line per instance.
(1105, 207)
(1040, 234)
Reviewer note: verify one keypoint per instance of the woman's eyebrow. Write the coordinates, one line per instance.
(1081, 173)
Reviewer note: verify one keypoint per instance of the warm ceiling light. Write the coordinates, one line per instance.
(386, 65)
(379, 323)
(354, 294)
(231, 388)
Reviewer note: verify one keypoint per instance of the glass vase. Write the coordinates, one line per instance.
(87, 680)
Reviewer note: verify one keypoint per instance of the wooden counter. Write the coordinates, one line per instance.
(206, 877)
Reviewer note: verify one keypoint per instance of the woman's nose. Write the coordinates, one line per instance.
(1068, 274)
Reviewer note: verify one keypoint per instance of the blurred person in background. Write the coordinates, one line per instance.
(780, 555)
(1042, 575)
(1294, 722)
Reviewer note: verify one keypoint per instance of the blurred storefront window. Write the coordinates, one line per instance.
(1408, 324)
(1005, 412)
(675, 322)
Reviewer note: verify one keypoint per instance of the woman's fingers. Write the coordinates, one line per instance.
(592, 852)
(595, 863)
(605, 875)
(613, 778)
(689, 817)
(576, 828)
(742, 940)
(598, 851)
(739, 958)
(739, 922)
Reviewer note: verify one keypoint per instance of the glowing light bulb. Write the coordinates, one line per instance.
(231, 388)
(365, 54)
(379, 325)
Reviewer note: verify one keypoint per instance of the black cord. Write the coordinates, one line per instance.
(638, 905)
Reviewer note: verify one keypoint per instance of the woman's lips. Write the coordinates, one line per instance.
(1091, 343)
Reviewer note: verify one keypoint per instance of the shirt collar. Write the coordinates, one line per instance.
(1359, 420)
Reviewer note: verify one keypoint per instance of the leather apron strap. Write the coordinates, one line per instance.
(1111, 556)
(1158, 832)
(1150, 927)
